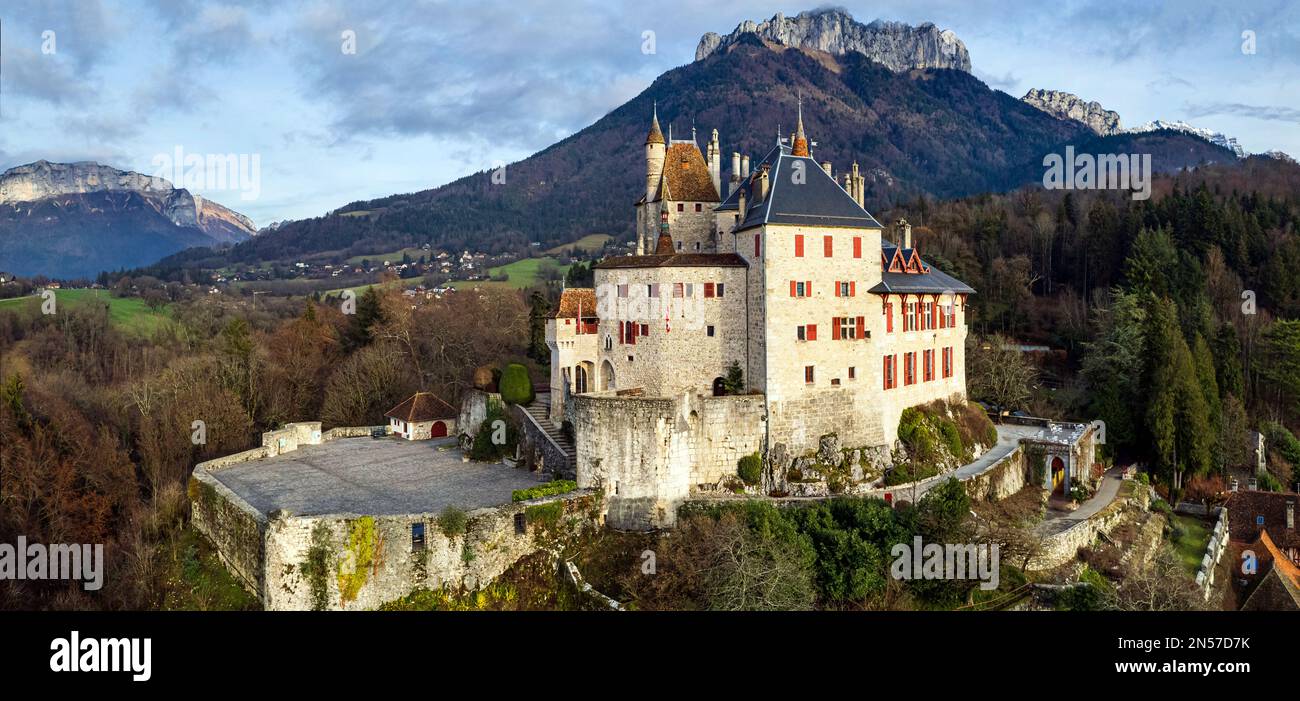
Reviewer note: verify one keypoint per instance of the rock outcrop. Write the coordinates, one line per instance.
(897, 46)
(1064, 105)
(43, 179)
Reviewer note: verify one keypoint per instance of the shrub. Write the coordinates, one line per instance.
(1268, 483)
(750, 469)
(516, 387)
(484, 448)
(734, 383)
(452, 521)
(1282, 440)
(544, 490)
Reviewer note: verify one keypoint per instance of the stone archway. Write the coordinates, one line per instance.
(719, 387)
(580, 380)
(1058, 473)
(607, 375)
(438, 430)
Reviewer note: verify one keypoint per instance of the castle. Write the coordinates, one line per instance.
(788, 282)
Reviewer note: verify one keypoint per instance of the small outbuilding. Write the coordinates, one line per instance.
(423, 416)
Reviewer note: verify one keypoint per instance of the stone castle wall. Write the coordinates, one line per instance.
(372, 560)
(678, 354)
(647, 453)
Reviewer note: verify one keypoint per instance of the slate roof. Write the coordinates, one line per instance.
(574, 298)
(422, 406)
(816, 201)
(676, 260)
(732, 203)
(685, 176)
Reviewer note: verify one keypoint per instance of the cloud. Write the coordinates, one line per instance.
(1270, 113)
(503, 74)
(1007, 82)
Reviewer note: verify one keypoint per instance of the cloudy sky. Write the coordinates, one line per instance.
(439, 89)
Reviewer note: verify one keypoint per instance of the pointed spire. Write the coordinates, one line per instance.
(655, 136)
(800, 145)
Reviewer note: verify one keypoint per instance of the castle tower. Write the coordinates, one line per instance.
(800, 145)
(715, 162)
(655, 150)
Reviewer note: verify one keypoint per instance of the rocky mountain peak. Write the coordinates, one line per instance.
(895, 45)
(1064, 105)
(43, 179)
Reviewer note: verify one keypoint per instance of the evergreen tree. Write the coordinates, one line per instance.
(1112, 364)
(369, 312)
(538, 310)
(1205, 377)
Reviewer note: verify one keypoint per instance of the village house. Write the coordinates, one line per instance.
(422, 416)
(834, 323)
(1251, 513)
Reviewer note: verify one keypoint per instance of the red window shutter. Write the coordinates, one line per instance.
(807, 288)
(889, 318)
(811, 332)
(862, 328)
(829, 245)
(757, 246)
(932, 305)
(645, 329)
(835, 329)
(837, 288)
(853, 288)
(798, 245)
(708, 289)
(622, 333)
(886, 364)
(794, 291)
(894, 365)
(857, 246)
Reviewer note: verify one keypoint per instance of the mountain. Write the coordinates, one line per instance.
(70, 220)
(1214, 137)
(1064, 105)
(934, 131)
(894, 45)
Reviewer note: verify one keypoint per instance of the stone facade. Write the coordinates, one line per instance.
(679, 343)
(647, 453)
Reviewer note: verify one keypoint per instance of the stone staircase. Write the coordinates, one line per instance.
(540, 412)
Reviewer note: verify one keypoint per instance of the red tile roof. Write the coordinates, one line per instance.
(574, 299)
(686, 175)
(422, 406)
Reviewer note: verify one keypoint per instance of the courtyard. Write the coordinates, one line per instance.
(377, 477)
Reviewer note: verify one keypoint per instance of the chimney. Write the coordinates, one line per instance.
(826, 166)
(741, 206)
(762, 184)
(735, 171)
(744, 167)
(905, 233)
(859, 186)
(715, 162)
